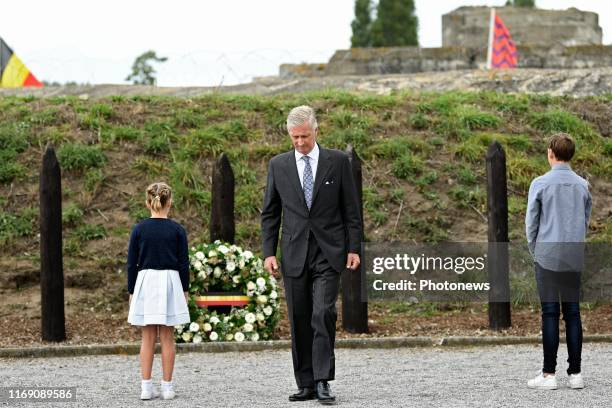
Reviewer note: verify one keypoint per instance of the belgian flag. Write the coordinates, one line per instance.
(13, 73)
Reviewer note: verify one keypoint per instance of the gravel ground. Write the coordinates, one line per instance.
(416, 377)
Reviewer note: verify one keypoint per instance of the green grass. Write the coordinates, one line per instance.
(425, 148)
(17, 226)
(72, 214)
(80, 157)
(466, 176)
(11, 146)
(94, 179)
(407, 166)
(467, 197)
(557, 120)
(89, 232)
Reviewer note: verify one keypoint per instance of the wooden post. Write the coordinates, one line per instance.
(354, 310)
(222, 212)
(498, 266)
(51, 265)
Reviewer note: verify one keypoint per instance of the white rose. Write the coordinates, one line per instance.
(223, 249)
(255, 336)
(214, 320)
(262, 299)
(229, 337)
(212, 254)
(197, 265)
(213, 336)
(199, 255)
(261, 282)
(230, 266)
(236, 279)
(273, 295)
(197, 339)
(179, 328)
(202, 275)
(267, 310)
(225, 319)
(239, 336)
(209, 270)
(247, 255)
(248, 327)
(186, 336)
(207, 327)
(261, 317)
(251, 286)
(217, 272)
(241, 263)
(250, 318)
(194, 327)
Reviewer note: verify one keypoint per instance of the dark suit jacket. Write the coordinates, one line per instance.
(334, 217)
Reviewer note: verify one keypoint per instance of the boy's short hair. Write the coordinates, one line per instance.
(562, 146)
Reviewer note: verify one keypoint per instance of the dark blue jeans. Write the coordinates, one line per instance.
(564, 287)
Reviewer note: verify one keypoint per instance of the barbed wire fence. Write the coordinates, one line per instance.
(195, 68)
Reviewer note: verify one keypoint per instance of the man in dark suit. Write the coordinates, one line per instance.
(313, 191)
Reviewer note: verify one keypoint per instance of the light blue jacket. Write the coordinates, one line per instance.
(557, 219)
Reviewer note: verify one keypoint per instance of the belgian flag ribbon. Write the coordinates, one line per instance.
(502, 49)
(13, 73)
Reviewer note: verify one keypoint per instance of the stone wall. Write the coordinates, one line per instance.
(469, 26)
(406, 60)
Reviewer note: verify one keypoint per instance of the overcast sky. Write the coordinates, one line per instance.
(207, 42)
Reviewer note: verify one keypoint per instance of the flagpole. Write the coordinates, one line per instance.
(491, 33)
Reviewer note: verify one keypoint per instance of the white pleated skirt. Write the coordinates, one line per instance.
(158, 299)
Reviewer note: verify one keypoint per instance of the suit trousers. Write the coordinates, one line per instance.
(311, 303)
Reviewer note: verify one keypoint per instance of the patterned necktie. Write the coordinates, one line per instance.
(307, 182)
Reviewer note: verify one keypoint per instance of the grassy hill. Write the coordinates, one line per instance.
(424, 173)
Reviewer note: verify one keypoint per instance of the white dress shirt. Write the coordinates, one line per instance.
(301, 164)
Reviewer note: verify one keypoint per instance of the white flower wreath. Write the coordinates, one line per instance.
(221, 267)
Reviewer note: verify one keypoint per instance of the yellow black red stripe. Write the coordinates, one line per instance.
(221, 300)
(13, 72)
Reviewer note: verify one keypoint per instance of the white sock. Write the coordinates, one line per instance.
(147, 384)
(166, 385)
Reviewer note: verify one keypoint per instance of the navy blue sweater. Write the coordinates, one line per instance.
(158, 243)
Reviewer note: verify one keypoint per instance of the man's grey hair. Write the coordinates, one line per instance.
(300, 115)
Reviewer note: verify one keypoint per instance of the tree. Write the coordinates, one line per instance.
(143, 72)
(521, 3)
(396, 24)
(362, 24)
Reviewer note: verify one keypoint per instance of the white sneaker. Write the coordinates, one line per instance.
(168, 394)
(575, 381)
(543, 383)
(147, 394)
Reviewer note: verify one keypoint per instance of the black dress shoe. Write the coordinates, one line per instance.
(303, 394)
(324, 395)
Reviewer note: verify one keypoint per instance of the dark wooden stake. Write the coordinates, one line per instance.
(354, 309)
(51, 264)
(498, 266)
(222, 225)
